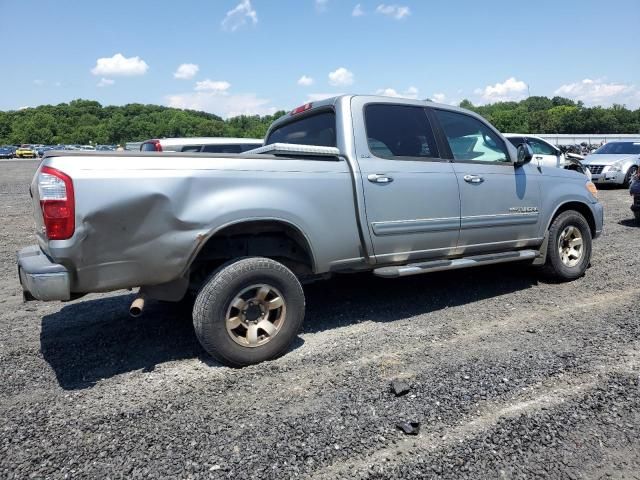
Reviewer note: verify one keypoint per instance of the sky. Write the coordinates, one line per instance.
(233, 57)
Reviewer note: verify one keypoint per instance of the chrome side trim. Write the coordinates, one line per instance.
(499, 220)
(400, 227)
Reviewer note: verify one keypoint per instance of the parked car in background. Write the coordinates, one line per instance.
(548, 155)
(615, 162)
(7, 151)
(25, 151)
(201, 144)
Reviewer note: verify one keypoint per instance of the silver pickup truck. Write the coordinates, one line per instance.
(353, 183)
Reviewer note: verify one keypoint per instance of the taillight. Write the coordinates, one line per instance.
(302, 108)
(57, 203)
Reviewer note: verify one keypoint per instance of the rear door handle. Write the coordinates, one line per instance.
(473, 179)
(379, 178)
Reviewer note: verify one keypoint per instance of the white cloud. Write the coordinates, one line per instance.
(411, 92)
(341, 77)
(357, 11)
(599, 92)
(321, 5)
(438, 97)
(237, 17)
(120, 65)
(394, 11)
(57, 84)
(105, 82)
(223, 105)
(186, 71)
(305, 81)
(218, 87)
(509, 90)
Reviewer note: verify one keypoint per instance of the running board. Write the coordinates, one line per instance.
(438, 265)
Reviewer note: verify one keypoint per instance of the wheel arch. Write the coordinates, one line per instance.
(579, 207)
(251, 230)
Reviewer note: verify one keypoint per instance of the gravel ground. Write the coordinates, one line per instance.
(510, 377)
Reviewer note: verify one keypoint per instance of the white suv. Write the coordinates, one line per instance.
(547, 155)
(201, 144)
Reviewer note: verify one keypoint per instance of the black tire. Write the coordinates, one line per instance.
(555, 267)
(637, 215)
(629, 176)
(214, 302)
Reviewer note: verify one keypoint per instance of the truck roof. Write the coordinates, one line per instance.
(332, 101)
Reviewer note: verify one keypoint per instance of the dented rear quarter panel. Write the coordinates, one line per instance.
(141, 218)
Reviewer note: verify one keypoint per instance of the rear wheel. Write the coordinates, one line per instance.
(637, 215)
(249, 311)
(569, 248)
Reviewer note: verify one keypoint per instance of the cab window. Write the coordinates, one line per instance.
(470, 139)
(399, 131)
(318, 129)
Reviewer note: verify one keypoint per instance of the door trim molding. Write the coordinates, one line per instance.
(422, 225)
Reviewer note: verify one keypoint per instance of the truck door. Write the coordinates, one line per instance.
(499, 203)
(411, 194)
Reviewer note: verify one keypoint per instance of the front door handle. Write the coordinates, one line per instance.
(473, 179)
(379, 178)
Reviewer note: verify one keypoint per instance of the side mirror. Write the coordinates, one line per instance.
(525, 154)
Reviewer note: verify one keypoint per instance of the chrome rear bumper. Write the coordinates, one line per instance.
(41, 279)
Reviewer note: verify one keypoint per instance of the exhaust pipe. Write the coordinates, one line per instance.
(137, 306)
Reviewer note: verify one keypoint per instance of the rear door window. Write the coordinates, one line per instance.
(318, 129)
(399, 131)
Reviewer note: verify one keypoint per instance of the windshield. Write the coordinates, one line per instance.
(619, 148)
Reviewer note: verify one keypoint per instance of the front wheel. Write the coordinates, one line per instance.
(569, 248)
(249, 311)
(629, 176)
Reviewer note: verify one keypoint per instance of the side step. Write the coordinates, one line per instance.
(438, 265)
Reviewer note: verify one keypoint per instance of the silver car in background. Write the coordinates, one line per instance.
(615, 162)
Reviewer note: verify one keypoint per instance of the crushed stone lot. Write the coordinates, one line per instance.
(510, 376)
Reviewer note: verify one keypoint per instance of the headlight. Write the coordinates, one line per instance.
(616, 167)
(592, 189)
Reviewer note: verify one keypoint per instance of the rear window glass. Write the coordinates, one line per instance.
(148, 147)
(319, 129)
(191, 148)
(230, 148)
(399, 131)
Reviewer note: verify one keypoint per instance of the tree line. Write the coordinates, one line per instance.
(557, 115)
(86, 121)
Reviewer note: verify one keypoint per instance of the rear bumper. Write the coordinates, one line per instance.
(41, 279)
